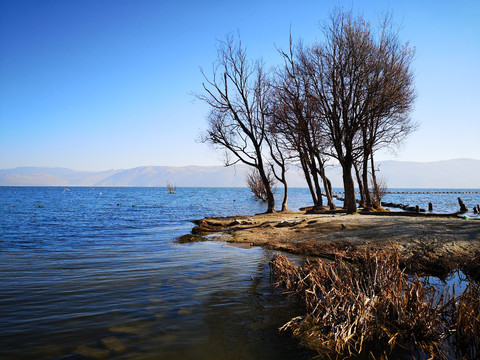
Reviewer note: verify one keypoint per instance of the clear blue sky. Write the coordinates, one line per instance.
(96, 85)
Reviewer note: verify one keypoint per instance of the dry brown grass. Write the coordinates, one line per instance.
(349, 308)
(466, 323)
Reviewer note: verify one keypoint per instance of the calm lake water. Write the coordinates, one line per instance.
(95, 273)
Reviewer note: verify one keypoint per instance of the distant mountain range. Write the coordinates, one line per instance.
(458, 173)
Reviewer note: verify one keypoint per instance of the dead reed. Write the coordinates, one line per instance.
(350, 307)
(466, 323)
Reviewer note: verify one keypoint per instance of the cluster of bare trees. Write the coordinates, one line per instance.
(342, 99)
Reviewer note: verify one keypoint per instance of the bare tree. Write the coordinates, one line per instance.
(171, 187)
(295, 119)
(378, 191)
(361, 187)
(388, 121)
(359, 80)
(280, 159)
(237, 93)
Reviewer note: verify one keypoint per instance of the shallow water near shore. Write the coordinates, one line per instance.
(94, 273)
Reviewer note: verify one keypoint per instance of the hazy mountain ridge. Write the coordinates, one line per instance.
(458, 173)
(44, 176)
(189, 176)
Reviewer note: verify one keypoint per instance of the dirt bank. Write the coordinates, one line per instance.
(445, 239)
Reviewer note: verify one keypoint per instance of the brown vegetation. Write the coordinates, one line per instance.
(353, 309)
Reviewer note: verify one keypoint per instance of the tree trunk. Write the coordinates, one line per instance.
(349, 203)
(318, 188)
(283, 180)
(326, 182)
(368, 197)
(328, 192)
(328, 187)
(360, 186)
(309, 180)
(377, 203)
(270, 199)
(268, 187)
(285, 196)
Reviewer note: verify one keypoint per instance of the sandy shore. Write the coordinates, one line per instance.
(326, 235)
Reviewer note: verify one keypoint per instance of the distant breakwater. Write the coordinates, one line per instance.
(443, 199)
(420, 192)
(433, 192)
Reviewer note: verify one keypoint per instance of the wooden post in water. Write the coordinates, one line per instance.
(463, 207)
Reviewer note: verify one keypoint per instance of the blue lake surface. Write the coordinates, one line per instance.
(95, 273)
